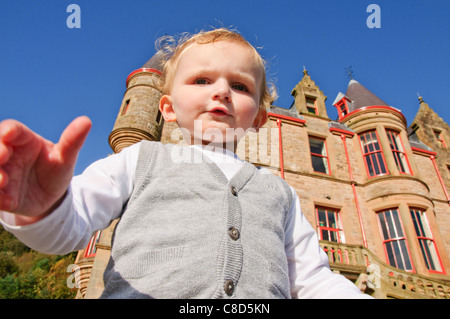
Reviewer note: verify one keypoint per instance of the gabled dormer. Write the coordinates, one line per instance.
(342, 105)
(308, 98)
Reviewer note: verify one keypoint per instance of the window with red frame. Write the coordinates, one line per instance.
(319, 156)
(373, 154)
(439, 137)
(401, 160)
(311, 105)
(91, 248)
(342, 108)
(394, 240)
(329, 225)
(329, 228)
(426, 241)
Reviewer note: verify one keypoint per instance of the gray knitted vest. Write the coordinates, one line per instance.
(188, 232)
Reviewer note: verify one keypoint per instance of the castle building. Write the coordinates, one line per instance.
(376, 190)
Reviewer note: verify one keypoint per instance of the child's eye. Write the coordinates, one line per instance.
(201, 81)
(240, 87)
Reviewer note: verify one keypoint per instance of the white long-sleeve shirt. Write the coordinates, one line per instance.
(98, 196)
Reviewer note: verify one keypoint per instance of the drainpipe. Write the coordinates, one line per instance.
(280, 143)
(358, 209)
(440, 178)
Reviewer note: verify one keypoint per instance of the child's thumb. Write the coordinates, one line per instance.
(72, 139)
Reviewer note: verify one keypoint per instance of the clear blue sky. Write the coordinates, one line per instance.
(49, 73)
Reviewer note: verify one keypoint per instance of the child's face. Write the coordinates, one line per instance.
(218, 84)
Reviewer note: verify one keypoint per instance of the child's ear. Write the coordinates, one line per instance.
(166, 108)
(261, 119)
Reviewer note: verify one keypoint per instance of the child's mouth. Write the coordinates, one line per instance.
(218, 112)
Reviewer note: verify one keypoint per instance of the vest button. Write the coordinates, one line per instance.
(234, 233)
(229, 287)
(233, 190)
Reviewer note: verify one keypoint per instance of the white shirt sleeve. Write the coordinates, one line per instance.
(309, 272)
(93, 200)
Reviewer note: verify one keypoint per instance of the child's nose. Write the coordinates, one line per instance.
(221, 92)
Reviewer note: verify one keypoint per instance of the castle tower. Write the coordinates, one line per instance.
(308, 98)
(139, 117)
(434, 132)
(398, 186)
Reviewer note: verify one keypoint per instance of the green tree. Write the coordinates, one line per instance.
(7, 265)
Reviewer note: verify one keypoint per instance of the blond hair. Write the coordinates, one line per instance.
(173, 48)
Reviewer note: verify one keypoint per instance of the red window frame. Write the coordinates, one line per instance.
(91, 248)
(373, 154)
(342, 108)
(311, 109)
(394, 240)
(398, 150)
(329, 223)
(324, 157)
(426, 241)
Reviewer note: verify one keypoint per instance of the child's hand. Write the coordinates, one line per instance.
(34, 172)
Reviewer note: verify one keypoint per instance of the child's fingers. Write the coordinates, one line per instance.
(72, 139)
(5, 153)
(15, 133)
(3, 179)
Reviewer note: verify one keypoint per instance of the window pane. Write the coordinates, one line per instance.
(390, 254)
(405, 255)
(316, 146)
(398, 226)
(322, 218)
(426, 254)
(376, 166)
(416, 225)
(401, 160)
(390, 225)
(319, 164)
(369, 166)
(398, 255)
(310, 102)
(325, 235)
(331, 220)
(383, 225)
(333, 236)
(381, 163)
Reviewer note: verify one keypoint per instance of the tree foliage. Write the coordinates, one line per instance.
(27, 274)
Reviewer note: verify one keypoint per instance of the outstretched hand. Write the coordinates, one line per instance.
(34, 172)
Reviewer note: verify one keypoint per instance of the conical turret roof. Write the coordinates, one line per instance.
(361, 97)
(156, 62)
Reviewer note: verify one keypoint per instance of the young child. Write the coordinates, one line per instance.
(212, 228)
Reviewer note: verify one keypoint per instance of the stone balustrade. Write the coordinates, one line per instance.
(382, 280)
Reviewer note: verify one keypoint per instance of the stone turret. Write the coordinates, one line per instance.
(139, 117)
(308, 98)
